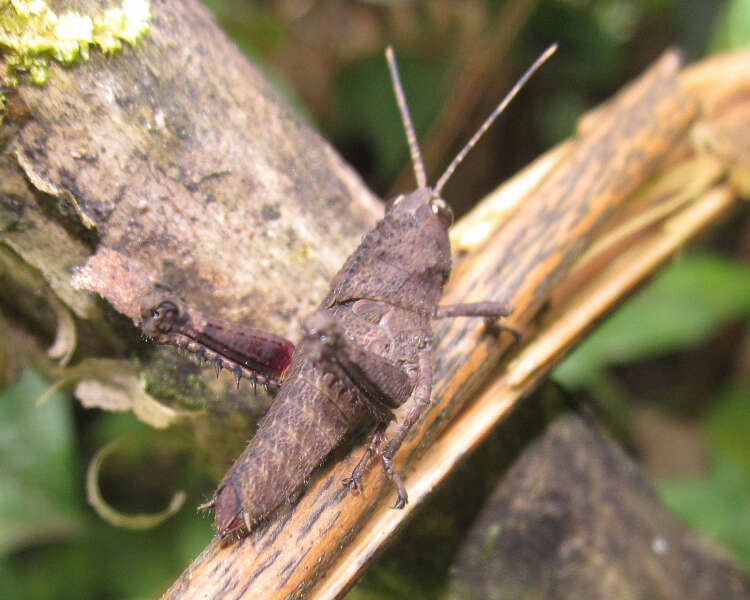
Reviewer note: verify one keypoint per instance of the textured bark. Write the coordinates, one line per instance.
(574, 518)
(175, 165)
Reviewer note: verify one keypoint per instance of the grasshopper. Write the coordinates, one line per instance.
(365, 351)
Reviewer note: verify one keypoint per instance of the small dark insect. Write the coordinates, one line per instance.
(363, 353)
(257, 355)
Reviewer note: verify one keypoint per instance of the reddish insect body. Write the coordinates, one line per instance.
(259, 356)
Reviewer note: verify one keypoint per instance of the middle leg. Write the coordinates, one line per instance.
(419, 401)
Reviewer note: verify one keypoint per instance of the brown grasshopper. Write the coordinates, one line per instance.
(364, 352)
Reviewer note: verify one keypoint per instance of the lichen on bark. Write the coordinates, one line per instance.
(32, 34)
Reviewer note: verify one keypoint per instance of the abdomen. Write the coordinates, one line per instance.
(308, 419)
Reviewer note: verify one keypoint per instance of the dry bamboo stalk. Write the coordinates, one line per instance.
(329, 536)
(552, 341)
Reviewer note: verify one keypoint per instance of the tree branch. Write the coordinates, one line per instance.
(173, 165)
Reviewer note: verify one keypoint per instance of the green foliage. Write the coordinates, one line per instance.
(38, 497)
(47, 532)
(717, 503)
(733, 27)
(365, 109)
(682, 307)
(728, 425)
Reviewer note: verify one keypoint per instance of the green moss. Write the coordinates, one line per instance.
(172, 380)
(31, 35)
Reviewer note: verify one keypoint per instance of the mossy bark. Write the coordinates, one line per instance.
(171, 165)
(176, 163)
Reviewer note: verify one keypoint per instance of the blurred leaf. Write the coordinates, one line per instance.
(252, 28)
(728, 426)
(682, 307)
(618, 18)
(654, 5)
(9, 587)
(37, 496)
(380, 583)
(42, 501)
(732, 29)
(365, 106)
(589, 58)
(559, 115)
(110, 563)
(717, 505)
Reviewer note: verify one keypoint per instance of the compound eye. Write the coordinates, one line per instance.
(442, 211)
(165, 315)
(393, 202)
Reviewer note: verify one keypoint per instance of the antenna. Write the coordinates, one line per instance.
(411, 137)
(500, 108)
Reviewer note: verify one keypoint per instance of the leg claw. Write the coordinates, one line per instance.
(400, 503)
(353, 483)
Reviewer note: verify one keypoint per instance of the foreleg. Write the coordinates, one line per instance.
(491, 311)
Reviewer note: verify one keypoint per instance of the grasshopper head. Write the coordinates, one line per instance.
(423, 203)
